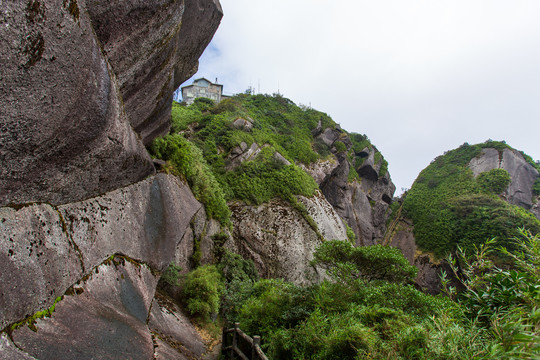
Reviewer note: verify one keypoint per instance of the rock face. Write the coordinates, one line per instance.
(523, 174)
(64, 133)
(363, 205)
(46, 249)
(68, 68)
(428, 277)
(280, 241)
(112, 313)
(166, 39)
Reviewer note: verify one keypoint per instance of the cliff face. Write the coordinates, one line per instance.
(280, 240)
(86, 226)
(364, 202)
(68, 69)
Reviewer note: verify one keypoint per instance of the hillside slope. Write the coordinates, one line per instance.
(472, 194)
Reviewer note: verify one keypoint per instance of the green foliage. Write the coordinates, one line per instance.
(505, 302)
(346, 263)
(235, 267)
(188, 161)
(449, 207)
(340, 146)
(494, 181)
(350, 234)
(536, 187)
(264, 178)
(202, 289)
(171, 275)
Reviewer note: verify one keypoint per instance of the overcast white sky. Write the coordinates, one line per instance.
(418, 77)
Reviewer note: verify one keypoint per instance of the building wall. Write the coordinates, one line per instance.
(201, 88)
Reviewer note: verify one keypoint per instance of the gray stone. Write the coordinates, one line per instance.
(106, 321)
(239, 155)
(281, 159)
(8, 350)
(329, 136)
(44, 250)
(164, 351)
(325, 216)
(162, 50)
(522, 174)
(38, 261)
(63, 130)
(489, 159)
(243, 124)
(145, 221)
(169, 323)
(363, 205)
(280, 241)
(320, 169)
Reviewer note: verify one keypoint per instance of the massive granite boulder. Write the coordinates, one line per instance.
(280, 240)
(153, 47)
(77, 77)
(44, 250)
(522, 174)
(63, 132)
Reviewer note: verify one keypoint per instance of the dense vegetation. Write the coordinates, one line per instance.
(369, 309)
(450, 208)
(204, 138)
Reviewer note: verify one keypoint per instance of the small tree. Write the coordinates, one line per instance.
(203, 288)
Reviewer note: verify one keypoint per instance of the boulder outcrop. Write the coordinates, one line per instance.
(166, 39)
(63, 130)
(428, 277)
(47, 249)
(522, 174)
(279, 239)
(77, 77)
(362, 204)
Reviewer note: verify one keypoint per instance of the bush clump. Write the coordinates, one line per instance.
(203, 288)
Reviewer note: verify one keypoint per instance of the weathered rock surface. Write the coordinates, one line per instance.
(8, 350)
(166, 39)
(63, 130)
(144, 221)
(362, 205)
(243, 124)
(428, 277)
(320, 170)
(44, 249)
(241, 154)
(523, 174)
(106, 321)
(173, 328)
(280, 241)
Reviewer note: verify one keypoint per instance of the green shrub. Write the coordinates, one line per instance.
(202, 289)
(171, 275)
(346, 263)
(495, 181)
(340, 146)
(189, 162)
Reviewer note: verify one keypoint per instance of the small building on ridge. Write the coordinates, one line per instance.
(202, 88)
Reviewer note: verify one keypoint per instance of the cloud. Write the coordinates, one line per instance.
(418, 77)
